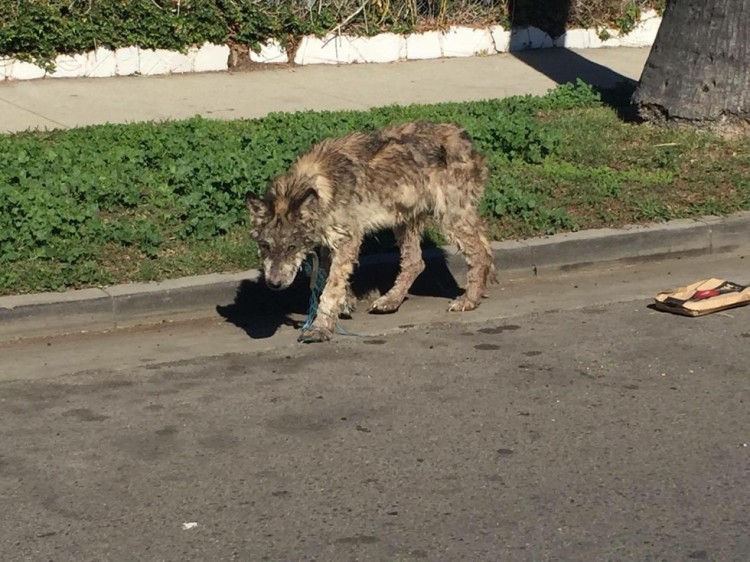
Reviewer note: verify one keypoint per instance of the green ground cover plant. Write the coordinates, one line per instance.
(118, 203)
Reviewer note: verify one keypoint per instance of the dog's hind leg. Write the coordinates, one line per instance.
(408, 237)
(466, 229)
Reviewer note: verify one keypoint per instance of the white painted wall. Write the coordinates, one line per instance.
(457, 41)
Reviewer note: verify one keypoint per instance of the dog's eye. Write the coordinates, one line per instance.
(264, 246)
(291, 247)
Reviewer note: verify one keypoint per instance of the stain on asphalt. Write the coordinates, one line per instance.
(167, 430)
(295, 424)
(145, 446)
(219, 441)
(45, 535)
(85, 415)
(358, 539)
(499, 329)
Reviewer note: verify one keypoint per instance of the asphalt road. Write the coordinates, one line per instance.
(605, 433)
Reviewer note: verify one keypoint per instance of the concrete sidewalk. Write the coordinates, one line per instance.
(63, 103)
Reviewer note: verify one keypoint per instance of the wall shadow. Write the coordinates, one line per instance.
(260, 312)
(565, 66)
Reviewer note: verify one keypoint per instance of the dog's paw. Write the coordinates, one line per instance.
(385, 305)
(462, 304)
(315, 334)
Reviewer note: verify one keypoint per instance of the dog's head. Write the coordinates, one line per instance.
(284, 225)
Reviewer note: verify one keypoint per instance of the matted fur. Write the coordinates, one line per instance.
(344, 188)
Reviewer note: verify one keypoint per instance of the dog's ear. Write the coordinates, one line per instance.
(306, 203)
(256, 207)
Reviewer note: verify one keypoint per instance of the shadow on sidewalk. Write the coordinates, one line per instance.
(566, 66)
(563, 65)
(261, 312)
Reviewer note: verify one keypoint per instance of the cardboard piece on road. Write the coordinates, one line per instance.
(703, 297)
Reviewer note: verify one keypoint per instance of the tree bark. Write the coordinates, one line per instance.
(698, 70)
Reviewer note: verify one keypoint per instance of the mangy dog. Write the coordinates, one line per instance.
(347, 187)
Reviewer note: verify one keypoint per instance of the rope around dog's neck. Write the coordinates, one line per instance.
(311, 268)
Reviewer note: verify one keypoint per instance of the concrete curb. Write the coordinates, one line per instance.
(51, 314)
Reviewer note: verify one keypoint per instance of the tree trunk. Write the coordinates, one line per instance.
(698, 70)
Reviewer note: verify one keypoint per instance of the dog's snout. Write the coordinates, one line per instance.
(274, 285)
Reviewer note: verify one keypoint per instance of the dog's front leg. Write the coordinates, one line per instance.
(350, 302)
(334, 297)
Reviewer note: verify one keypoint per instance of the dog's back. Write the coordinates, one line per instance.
(373, 180)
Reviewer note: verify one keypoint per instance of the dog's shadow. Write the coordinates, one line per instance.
(261, 312)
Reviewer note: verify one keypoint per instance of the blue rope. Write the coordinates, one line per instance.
(316, 288)
(310, 267)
